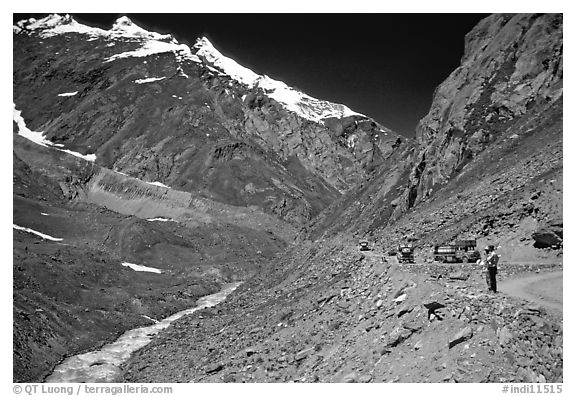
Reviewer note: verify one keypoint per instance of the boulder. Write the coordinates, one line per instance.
(400, 298)
(249, 351)
(504, 336)
(303, 354)
(463, 335)
(213, 368)
(419, 345)
(397, 336)
(545, 237)
(534, 309)
(365, 378)
(401, 289)
(343, 305)
(350, 378)
(403, 311)
(433, 305)
(459, 275)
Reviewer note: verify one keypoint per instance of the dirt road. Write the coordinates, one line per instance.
(543, 289)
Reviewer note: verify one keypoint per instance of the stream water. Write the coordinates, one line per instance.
(103, 365)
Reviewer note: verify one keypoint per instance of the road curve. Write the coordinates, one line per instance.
(543, 289)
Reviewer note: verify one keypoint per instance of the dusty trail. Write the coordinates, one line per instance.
(543, 289)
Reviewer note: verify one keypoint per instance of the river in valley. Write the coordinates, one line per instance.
(103, 365)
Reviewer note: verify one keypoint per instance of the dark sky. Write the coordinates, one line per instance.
(383, 65)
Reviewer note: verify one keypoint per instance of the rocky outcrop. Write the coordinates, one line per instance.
(512, 66)
(549, 236)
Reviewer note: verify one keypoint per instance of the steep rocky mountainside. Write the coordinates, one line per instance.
(511, 71)
(489, 158)
(488, 166)
(191, 119)
(332, 314)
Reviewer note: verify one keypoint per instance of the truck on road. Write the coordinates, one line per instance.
(364, 245)
(460, 251)
(406, 253)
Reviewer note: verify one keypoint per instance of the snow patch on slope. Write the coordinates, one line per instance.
(31, 231)
(87, 157)
(153, 47)
(157, 183)
(38, 137)
(142, 268)
(68, 93)
(24, 131)
(148, 80)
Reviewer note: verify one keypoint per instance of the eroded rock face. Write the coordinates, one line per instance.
(512, 65)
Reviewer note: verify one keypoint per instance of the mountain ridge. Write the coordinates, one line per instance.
(123, 27)
(220, 106)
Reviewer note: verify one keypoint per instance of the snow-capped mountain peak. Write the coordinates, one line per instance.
(125, 23)
(51, 21)
(55, 24)
(125, 27)
(293, 100)
(203, 51)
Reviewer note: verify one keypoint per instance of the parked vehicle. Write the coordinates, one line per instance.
(406, 253)
(460, 251)
(364, 245)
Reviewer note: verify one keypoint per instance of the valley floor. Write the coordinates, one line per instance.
(74, 291)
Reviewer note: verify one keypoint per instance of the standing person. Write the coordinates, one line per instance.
(491, 262)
